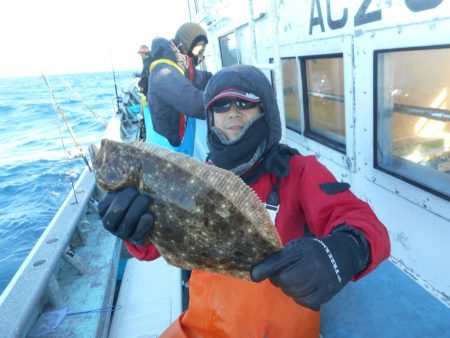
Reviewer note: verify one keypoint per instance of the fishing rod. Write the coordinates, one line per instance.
(69, 173)
(118, 98)
(69, 127)
(99, 119)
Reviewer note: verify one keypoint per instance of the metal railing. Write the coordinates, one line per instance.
(427, 112)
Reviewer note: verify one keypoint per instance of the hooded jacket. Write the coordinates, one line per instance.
(311, 201)
(170, 93)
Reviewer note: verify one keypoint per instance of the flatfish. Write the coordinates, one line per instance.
(206, 218)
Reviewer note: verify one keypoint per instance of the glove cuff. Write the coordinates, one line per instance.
(357, 245)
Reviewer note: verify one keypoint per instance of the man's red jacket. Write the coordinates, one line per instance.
(304, 203)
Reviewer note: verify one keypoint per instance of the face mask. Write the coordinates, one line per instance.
(197, 53)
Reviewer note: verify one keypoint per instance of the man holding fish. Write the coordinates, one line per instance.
(329, 235)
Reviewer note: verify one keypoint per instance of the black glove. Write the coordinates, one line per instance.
(312, 270)
(125, 214)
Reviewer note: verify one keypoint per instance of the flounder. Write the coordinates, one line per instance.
(206, 218)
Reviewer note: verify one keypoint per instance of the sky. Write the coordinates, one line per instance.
(68, 36)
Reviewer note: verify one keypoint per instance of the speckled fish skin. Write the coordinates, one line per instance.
(207, 218)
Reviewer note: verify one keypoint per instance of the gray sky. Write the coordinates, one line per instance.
(68, 36)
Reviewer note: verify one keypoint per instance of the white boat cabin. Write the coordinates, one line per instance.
(365, 86)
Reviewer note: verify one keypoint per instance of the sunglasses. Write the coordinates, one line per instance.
(222, 106)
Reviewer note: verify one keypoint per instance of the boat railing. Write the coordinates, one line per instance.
(21, 301)
(35, 285)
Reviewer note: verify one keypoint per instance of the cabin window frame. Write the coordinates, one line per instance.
(234, 32)
(415, 169)
(308, 131)
(345, 162)
(364, 63)
(300, 128)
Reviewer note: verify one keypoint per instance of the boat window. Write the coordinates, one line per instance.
(229, 50)
(290, 70)
(412, 134)
(323, 88)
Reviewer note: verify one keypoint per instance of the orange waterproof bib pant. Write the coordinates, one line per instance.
(223, 306)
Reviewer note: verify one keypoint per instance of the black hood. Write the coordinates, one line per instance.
(248, 79)
(161, 49)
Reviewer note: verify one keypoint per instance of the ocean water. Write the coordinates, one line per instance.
(35, 173)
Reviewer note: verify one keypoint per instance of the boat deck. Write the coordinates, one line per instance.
(385, 303)
(149, 299)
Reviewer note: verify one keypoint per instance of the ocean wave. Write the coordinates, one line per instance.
(35, 173)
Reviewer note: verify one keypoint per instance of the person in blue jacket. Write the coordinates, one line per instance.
(175, 86)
